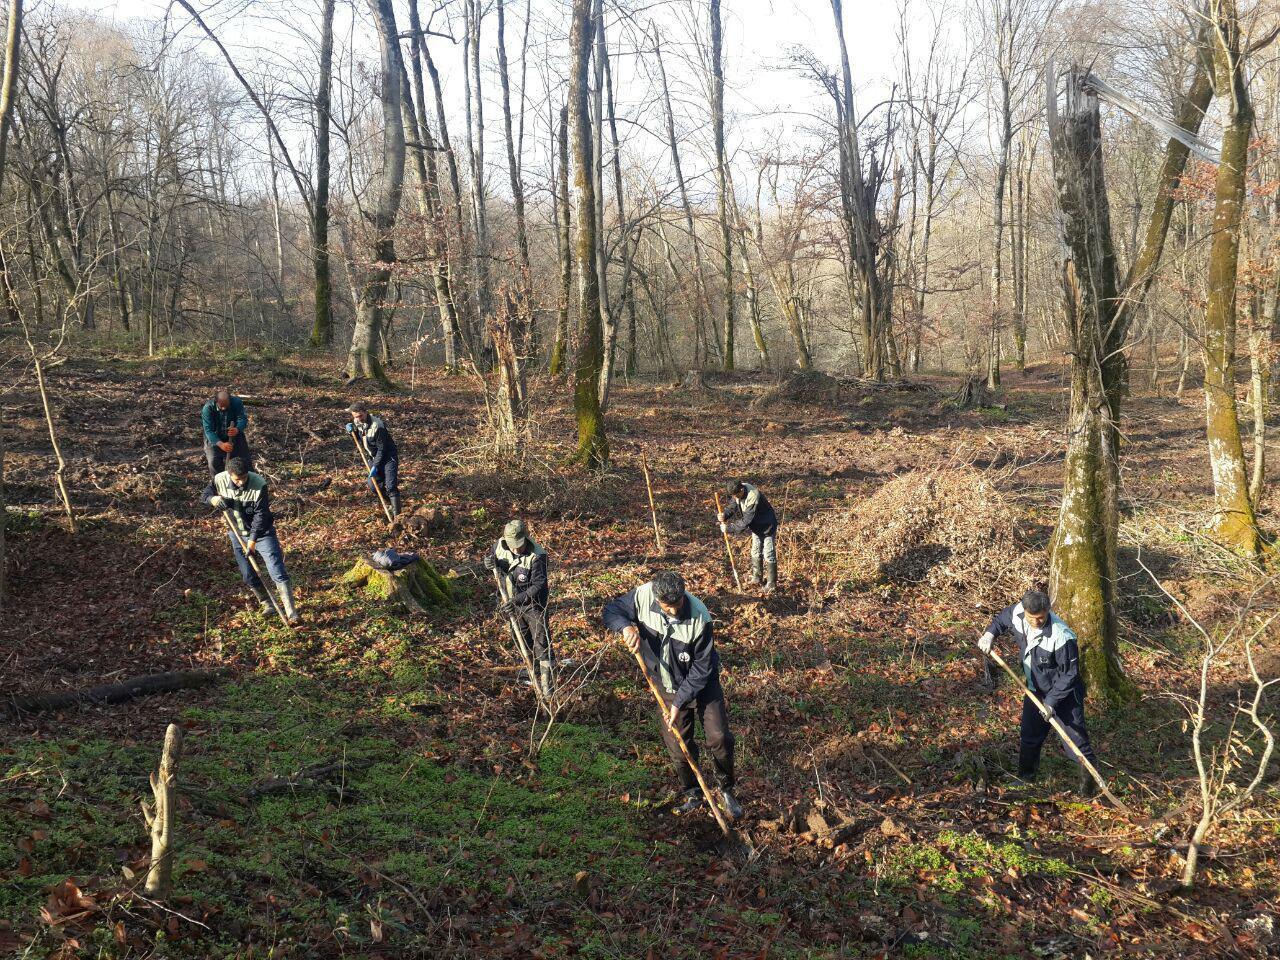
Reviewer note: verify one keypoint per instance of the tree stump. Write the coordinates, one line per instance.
(419, 587)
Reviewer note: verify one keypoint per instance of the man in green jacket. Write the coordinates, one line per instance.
(244, 496)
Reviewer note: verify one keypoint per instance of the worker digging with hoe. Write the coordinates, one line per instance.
(245, 498)
(523, 596)
(749, 509)
(380, 448)
(223, 420)
(1050, 659)
(670, 629)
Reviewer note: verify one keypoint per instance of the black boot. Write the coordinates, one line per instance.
(1028, 763)
(395, 505)
(771, 577)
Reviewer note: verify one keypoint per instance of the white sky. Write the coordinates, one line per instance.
(761, 93)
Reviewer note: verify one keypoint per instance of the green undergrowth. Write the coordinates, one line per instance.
(394, 825)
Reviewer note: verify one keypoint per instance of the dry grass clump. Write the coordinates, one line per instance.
(948, 530)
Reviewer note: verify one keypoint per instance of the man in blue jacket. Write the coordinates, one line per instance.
(1050, 659)
(749, 509)
(245, 497)
(384, 459)
(671, 630)
(223, 420)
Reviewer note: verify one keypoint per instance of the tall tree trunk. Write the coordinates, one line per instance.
(1083, 548)
(430, 210)
(722, 178)
(1234, 523)
(1083, 568)
(12, 49)
(997, 227)
(593, 447)
(322, 327)
(564, 245)
(362, 360)
(474, 102)
(527, 338)
(701, 300)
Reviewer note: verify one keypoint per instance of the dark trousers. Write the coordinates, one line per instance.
(1035, 729)
(714, 717)
(532, 620)
(389, 476)
(218, 460)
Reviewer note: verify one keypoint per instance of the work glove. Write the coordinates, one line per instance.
(720, 516)
(490, 562)
(218, 503)
(372, 471)
(1047, 712)
(506, 608)
(349, 427)
(724, 528)
(985, 642)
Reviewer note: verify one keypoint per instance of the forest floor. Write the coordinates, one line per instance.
(872, 760)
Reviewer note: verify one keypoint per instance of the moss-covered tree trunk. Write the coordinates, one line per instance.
(1083, 549)
(1233, 522)
(593, 447)
(362, 359)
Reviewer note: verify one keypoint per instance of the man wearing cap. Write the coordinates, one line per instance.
(384, 459)
(523, 566)
(671, 630)
(749, 509)
(244, 496)
(1050, 659)
(223, 421)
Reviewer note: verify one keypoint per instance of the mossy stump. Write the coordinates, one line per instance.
(419, 588)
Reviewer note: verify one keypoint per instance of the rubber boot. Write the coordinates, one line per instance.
(756, 575)
(692, 801)
(546, 672)
(394, 499)
(771, 580)
(286, 602)
(1086, 786)
(1028, 763)
(264, 601)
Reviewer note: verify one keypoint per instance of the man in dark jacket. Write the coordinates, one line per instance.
(671, 629)
(1050, 659)
(522, 564)
(223, 421)
(244, 496)
(384, 459)
(749, 509)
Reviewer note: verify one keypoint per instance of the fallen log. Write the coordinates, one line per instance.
(111, 693)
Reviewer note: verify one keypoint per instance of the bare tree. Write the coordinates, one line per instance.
(363, 359)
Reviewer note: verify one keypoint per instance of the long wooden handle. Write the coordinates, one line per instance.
(684, 747)
(1061, 731)
(377, 487)
(526, 653)
(653, 510)
(248, 555)
(727, 546)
